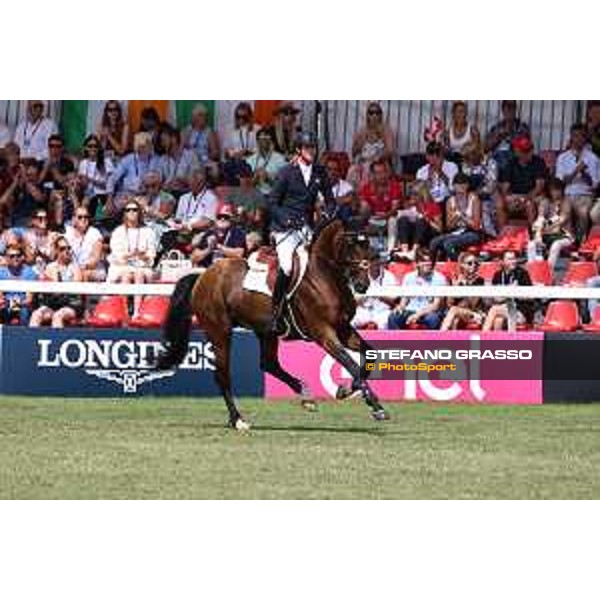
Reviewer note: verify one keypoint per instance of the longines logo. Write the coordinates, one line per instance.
(126, 363)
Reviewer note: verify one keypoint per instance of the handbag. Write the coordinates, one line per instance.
(174, 266)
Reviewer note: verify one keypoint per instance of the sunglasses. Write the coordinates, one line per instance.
(471, 263)
(63, 248)
(19, 255)
(374, 113)
(227, 217)
(132, 209)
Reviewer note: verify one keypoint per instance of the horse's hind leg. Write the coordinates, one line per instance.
(269, 362)
(220, 336)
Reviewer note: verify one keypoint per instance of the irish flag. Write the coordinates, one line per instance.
(82, 117)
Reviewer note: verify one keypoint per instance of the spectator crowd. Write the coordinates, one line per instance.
(129, 200)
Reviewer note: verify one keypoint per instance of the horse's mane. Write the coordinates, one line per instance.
(322, 235)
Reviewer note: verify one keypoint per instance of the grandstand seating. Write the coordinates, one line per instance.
(448, 269)
(562, 315)
(110, 311)
(512, 237)
(540, 272)
(589, 247)
(578, 273)
(594, 325)
(400, 269)
(488, 269)
(152, 313)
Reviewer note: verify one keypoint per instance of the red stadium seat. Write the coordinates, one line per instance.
(592, 243)
(110, 311)
(512, 237)
(594, 325)
(488, 269)
(579, 272)
(562, 315)
(400, 269)
(448, 269)
(540, 272)
(152, 313)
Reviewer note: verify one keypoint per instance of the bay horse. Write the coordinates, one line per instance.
(323, 306)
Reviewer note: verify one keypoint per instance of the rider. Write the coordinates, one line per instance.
(297, 189)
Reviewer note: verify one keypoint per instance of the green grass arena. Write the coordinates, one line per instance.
(181, 449)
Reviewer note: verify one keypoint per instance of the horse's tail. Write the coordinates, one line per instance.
(176, 331)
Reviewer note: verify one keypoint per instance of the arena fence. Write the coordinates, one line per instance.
(392, 291)
(89, 362)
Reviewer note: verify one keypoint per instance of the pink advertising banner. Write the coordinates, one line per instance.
(323, 374)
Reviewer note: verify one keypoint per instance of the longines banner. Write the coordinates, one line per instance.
(93, 362)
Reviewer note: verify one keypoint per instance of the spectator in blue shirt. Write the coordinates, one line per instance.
(419, 310)
(126, 180)
(16, 306)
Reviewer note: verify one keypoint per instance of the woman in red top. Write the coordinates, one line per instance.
(417, 223)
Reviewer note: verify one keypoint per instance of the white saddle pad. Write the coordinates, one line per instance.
(255, 279)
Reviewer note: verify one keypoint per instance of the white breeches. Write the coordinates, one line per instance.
(286, 244)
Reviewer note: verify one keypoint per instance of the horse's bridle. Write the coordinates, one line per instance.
(354, 266)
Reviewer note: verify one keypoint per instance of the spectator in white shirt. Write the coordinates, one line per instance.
(32, 134)
(266, 162)
(579, 168)
(341, 189)
(197, 209)
(372, 310)
(86, 246)
(438, 173)
(132, 250)
(95, 169)
(240, 140)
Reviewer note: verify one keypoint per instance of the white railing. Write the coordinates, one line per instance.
(393, 291)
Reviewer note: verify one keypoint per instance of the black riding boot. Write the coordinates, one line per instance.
(278, 301)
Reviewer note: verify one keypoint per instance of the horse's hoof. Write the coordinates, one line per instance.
(380, 415)
(241, 425)
(309, 405)
(342, 392)
(346, 393)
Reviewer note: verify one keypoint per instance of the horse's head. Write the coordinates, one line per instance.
(348, 250)
(357, 261)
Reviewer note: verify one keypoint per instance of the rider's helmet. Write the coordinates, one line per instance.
(305, 138)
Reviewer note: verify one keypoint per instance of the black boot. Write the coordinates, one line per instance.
(278, 301)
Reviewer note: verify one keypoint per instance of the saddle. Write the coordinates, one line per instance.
(262, 271)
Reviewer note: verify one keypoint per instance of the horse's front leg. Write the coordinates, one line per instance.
(333, 346)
